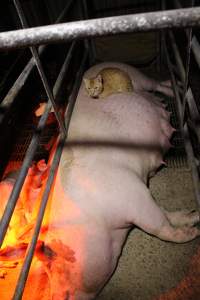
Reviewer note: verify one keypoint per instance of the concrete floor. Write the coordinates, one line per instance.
(148, 266)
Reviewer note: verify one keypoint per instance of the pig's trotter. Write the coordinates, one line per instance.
(178, 234)
(183, 217)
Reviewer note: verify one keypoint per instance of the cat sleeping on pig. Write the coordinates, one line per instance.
(100, 191)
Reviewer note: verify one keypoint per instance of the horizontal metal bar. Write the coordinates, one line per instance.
(31, 248)
(102, 26)
(28, 159)
(185, 133)
(19, 83)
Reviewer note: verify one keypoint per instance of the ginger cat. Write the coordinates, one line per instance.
(108, 81)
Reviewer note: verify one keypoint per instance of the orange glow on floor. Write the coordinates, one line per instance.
(56, 270)
(189, 287)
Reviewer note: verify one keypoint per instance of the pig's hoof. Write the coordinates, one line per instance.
(186, 234)
(185, 217)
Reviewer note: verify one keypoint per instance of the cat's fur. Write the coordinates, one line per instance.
(108, 81)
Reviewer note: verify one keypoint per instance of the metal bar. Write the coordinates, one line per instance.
(19, 83)
(196, 49)
(190, 98)
(65, 66)
(40, 69)
(10, 69)
(187, 70)
(185, 134)
(92, 53)
(195, 43)
(28, 158)
(63, 13)
(30, 251)
(187, 17)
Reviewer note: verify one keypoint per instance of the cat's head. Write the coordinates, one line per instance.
(94, 86)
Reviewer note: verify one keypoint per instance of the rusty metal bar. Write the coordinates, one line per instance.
(30, 251)
(19, 83)
(177, 18)
(29, 156)
(40, 69)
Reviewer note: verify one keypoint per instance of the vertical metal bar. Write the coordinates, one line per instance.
(30, 251)
(31, 248)
(196, 49)
(65, 66)
(90, 42)
(29, 157)
(195, 43)
(162, 33)
(40, 69)
(63, 13)
(187, 69)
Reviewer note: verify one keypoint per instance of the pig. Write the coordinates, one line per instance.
(101, 187)
(100, 190)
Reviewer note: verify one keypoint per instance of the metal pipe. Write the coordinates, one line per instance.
(19, 83)
(185, 133)
(40, 69)
(29, 157)
(102, 26)
(31, 248)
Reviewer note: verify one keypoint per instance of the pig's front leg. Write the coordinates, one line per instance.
(147, 215)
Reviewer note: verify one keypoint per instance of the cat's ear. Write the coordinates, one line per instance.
(99, 78)
(86, 81)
